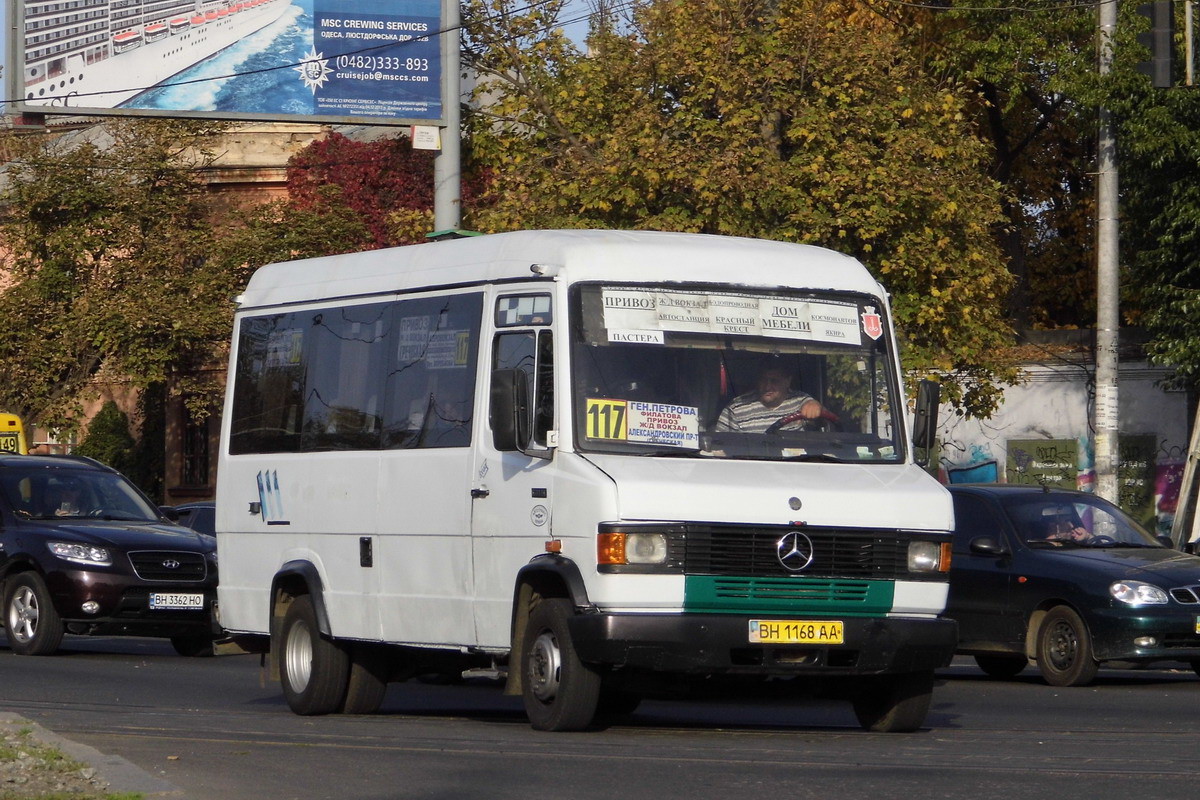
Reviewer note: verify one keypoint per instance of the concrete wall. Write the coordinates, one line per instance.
(1042, 433)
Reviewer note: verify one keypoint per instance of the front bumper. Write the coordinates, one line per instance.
(1176, 632)
(124, 605)
(719, 644)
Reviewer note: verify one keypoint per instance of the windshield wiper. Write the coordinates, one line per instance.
(825, 458)
(672, 452)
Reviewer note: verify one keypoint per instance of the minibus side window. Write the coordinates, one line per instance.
(268, 389)
(430, 376)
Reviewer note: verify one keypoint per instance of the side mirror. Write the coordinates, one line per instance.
(170, 512)
(987, 546)
(925, 419)
(509, 414)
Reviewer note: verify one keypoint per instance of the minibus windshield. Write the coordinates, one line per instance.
(736, 374)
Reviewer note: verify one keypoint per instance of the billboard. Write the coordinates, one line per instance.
(360, 61)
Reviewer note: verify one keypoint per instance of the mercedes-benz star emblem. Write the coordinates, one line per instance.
(171, 563)
(794, 551)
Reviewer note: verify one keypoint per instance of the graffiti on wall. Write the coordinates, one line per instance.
(1148, 474)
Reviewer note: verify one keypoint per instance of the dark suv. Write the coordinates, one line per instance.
(83, 551)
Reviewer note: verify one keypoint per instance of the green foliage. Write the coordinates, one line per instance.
(108, 439)
(106, 237)
(1160, 182)
(799, 120)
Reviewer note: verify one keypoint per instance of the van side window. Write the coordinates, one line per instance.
(430, 378)
(358, 377)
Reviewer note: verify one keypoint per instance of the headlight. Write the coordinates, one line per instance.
(632, 548)
(80, 553)
(1136, 593)
(926, 556)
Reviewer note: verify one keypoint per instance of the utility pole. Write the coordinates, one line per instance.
(447, 166)
(1107, 417)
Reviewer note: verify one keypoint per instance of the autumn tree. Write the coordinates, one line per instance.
(799, 120)
(105, 239)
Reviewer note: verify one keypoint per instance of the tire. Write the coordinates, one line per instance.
(33, 625)
(561, 693)
(894, 703)
(1003, 667)
(367, 682)
(1064, 649)
(193, 646)
(315, 671)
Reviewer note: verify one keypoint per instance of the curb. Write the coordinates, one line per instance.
(121, 775)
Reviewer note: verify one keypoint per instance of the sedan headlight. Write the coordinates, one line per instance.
(1137, 593)
(80, 553)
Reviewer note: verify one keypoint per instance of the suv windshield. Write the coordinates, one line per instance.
(41, 493)
(710, 373)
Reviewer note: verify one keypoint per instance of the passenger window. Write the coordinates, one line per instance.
(390, 375)
(430, 378)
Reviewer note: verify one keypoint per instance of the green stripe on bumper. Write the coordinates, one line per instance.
(817, 596)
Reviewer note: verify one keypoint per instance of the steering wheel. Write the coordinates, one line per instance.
(820, 423)
(1101, 538)
(95, 512)
(778, 424)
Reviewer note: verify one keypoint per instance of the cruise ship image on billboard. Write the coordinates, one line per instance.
(103, 54)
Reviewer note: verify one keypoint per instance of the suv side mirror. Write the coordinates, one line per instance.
(925, 419)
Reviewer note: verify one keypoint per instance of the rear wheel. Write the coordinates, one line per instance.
(561, 693)
(367, 682)
(1064, 649)
(894, 703)
(315, 670)
(34, 627)
(1002, 666)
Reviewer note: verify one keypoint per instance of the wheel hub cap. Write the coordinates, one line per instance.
(545, 667)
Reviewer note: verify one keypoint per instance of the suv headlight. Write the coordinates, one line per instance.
(80, 553)
(1137, 593)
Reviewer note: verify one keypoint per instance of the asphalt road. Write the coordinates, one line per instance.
(213, 728)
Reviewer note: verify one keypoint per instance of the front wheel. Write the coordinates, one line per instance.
(1064, 649)
(561, 693)
(314, 670)
(894, 703)
(34, 627)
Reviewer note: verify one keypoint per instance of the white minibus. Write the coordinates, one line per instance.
(596, 465)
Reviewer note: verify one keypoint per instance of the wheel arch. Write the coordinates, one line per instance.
(292, 580)
(1035, 622)
(546, 575)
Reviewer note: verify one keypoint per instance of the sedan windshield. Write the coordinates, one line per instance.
(1060, 520)
(745, 375)
(40, 493)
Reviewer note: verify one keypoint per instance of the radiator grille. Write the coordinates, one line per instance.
(156, 565)
(878, 554)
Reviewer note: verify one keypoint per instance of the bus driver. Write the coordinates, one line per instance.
(772, 403)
